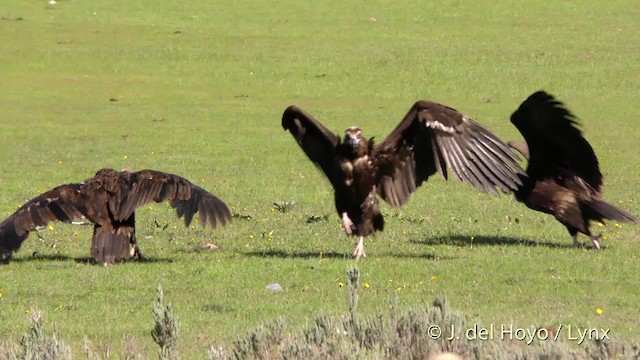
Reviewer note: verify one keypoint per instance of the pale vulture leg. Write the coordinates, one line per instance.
(359, 250)
(347, 224)
(135, 251)
(576, 243)
(595, 242)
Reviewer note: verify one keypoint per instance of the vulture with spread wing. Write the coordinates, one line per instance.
(564, 177)
(431, 138)
(109, 200)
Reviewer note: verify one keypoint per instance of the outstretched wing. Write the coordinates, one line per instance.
(556, 145)
(62, 203)
(316, 140)
(433, 137)
(142, 187)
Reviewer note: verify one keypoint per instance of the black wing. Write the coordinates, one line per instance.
(556, 145)
(317, 141)
(433, 137)
(139, 188)
(62, 203)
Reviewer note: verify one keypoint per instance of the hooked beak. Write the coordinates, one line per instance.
(353, 140)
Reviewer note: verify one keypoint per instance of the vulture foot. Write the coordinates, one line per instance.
(5, 256)
(135, 252)
(347, 224)
(359, 250)
(595, 242)
(576, 244)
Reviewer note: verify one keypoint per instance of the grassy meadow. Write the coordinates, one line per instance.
(197, 88)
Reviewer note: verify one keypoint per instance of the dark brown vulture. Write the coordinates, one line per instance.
(109, 200)
(564, 177)
(430, 138)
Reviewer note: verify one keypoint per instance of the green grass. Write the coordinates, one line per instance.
(200, 88)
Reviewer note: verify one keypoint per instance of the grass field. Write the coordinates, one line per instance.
(197, 88)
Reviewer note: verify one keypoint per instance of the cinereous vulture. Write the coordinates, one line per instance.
(109, 200)
(430, 138)
(564, 177)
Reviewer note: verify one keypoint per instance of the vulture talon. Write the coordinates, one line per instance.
(595, 241)
(347, 224)
(358, 252)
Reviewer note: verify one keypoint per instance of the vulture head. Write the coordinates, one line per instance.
(353, 136)
(358, 145)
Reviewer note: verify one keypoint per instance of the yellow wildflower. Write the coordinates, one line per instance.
(250, 236)
(598, 311)
(51, 228)
(340, 283)
(366, 285)
(0, 294)
(434, 277)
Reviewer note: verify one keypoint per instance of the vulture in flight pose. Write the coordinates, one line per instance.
(109, 200)
(431, 138)
(563, 177)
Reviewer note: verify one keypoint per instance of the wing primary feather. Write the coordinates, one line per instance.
(503, 150)
(493, 176)
(471, 161)
(500, 163)
(466, 166)
(445, 153)
(457, 163)
(439, 160)
(493, 169)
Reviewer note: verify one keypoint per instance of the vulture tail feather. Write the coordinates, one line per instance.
(609, 211)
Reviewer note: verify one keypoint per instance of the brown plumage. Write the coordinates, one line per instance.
(430, 138)
(109, 200)
(564, 177)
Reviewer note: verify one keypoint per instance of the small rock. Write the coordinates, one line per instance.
(274, 287)
(446, 356)
(210, 246)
